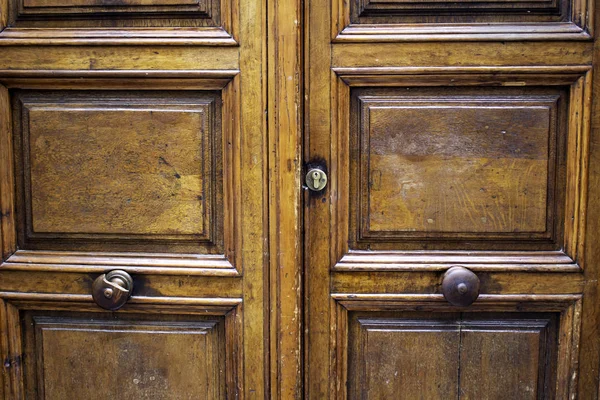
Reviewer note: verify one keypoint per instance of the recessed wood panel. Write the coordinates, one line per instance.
(395, 7)
(121, 13)
(439, 355)
(73, 356)
(400, 20)
(119, 167)
(416, 359)
(511, 353)
(456, 164)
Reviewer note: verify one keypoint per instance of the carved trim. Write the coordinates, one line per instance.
(361, 25)
(8, 237)
(539, 261)
(191, 264)
(223, 35)
(12, 304)
(142, 263)
(577, 77)
(569, 307)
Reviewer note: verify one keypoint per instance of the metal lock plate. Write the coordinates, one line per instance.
(316, 179)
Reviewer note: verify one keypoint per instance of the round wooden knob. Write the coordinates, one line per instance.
(460, 286)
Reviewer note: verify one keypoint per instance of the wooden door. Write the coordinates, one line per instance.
(453, 134)
(133, 138)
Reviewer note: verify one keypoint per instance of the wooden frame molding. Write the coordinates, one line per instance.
(376, 21)
(285, 125)
(217, 32)
(12, 306)
(564, 255)
(569, 307)
(225, 264)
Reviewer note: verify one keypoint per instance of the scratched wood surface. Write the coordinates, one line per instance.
(77, 358)
(107, 167)
(446, 164)
(410, 107)
(136, 141)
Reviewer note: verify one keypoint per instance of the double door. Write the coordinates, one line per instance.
(160, 240)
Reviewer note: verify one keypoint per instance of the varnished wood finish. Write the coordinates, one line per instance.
(383, 20)
(260, 290)
(153, 160)
(285, 166)
(435, 355)
(389, 83)
(204, 22)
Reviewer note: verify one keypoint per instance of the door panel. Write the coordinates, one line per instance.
(391, 20)
(74, 350)
(424, 355)
(133, 22)
(134, 139)
(472, 153)
(165, 182)
(450, 164)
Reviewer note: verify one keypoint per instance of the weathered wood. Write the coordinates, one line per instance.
(398, 93)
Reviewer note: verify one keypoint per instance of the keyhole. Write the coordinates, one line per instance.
(316, 179)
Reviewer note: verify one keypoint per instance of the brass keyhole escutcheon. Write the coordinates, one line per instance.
(316, 179)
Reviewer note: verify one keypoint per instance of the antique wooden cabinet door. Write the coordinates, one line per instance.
(453, 134)
(133, 139)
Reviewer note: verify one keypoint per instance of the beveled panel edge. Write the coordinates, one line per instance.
(515, 75)
(225, 80)
(218, 305)
(579, 27)
(577, 77)
(137, 263)
(12, 303)
(569, 329)
(114, 37)
(118, 79)
(462, 32)
(539, 261)
(28, 102)
(224, 35)
(373, 300)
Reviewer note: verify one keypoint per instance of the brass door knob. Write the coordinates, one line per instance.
(460, 286)
(112, 290)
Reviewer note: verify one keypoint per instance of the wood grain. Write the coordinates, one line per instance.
(206, 22)
(383, 63)
(160, 157)
(415, 358)
(7, 211)
(143, 359)
(285, 125)
(375, 21)
(415, 172)
(529, 325)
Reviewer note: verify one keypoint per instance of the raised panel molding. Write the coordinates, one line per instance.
(398, 7)
(98, 166)
(209, 246)
(49, 330)
(401, 20)
(64, 347)
(556, 247)
(547, 326)
(419, 176)
(206, 22)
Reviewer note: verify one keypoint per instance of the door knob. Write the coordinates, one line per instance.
(460, 286)
(112, 290)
